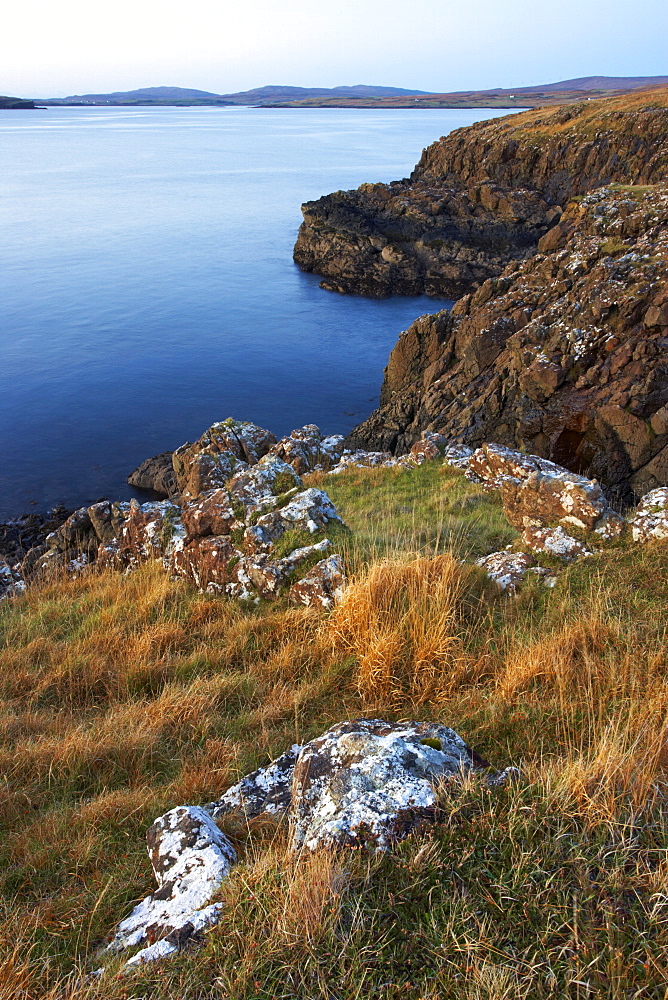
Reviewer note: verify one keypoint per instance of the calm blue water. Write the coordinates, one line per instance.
(147, 286)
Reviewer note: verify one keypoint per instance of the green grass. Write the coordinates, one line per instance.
(121, 697)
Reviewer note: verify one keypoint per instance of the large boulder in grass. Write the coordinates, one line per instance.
(536, 492)
(368, 783)
(264, 576)
(190, 858)
(150, 531)
(650, 521)
(206, 562)
(209, 514)
(255, 487)
(267, 791)
(322, 586)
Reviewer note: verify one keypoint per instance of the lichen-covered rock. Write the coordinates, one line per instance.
(372, 460)
(322, 586)
(11, 581)
(150, 531)
(555, 541)
(267, 790)
(157, 474)
(199, 471)
(457, 455)
(206, 562)
(368, 783)
(76, 533)
(431, 445)
(209, 514)
(306, 450)
(537, 492)
(257, 486)
(308, 511)
(260, 575)
(190, 858)
(650, 520)
(107, 519)
(507, 569)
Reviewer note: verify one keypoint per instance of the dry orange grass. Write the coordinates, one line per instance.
(403, 623)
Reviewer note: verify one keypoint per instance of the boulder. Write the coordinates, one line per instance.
(322, 586)
(507, 569)
(107, 518)
(11, 581)
(206, 562)
(309, 511)
(266, 791)
(430, 446)
(209, 514)
(650, 521)
(150, 531)
(537, 492)
(261, 576)
(373, 460)
(77, 532)
(157, 474)
(199, 471)
(257, 486)
(306, 450)
(190, 858)
(555, 541)
(368, 783)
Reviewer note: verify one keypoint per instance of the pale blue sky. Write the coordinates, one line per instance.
(73, 46)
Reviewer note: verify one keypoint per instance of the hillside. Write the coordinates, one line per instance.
(259, 95)
(15, 104)
(124, 696)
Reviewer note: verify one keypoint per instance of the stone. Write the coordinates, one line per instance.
(266, 791)
(369, 783)
(199, 472)
(372, 460)
(150, 531)
(322, 586)
(246, 441)
(650, 520)
(206, 562)
(209, 514)
(190, 858)
(306, 450)
(507, 569)
(555, 541)
(11, 581)
(261, 576)
(157, 474)
(256, 487)
(308, 511)
(107, 518)
(77, 532)
(457, 455)
(537, 492)
(429, 447)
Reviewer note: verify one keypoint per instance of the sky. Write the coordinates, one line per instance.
(75, 47)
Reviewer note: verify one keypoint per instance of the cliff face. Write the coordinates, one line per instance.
(564, 355)
(481, 197)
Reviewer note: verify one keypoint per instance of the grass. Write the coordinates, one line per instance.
(124, 696)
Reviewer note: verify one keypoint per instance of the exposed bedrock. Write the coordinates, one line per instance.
(480, 197)
(563, 355)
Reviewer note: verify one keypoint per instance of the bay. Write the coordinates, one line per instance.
(147, 286)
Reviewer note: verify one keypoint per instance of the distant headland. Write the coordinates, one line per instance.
(363, 96)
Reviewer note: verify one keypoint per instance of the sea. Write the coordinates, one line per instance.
(147, 287)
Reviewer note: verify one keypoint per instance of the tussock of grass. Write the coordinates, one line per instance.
(125, 696)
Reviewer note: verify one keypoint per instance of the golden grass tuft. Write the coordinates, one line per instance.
(402, 621)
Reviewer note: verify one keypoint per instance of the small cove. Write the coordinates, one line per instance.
(147, 286)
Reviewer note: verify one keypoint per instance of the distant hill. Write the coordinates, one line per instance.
(15, 104)
(365, 96)
(260, 95)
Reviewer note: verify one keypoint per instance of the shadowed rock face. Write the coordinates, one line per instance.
(564, 355)
(480, 197)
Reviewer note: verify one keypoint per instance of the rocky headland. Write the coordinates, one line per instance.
(481, 197)
(552, 229)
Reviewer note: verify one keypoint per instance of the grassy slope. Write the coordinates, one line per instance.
(122, 697)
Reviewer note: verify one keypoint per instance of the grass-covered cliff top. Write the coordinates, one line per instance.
(123, 696)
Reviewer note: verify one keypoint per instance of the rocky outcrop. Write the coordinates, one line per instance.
(156, 474)
(190, 858)
(480, 197)
(564, 355)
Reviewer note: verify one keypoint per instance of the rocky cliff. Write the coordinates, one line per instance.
(481, 197)
(564, 354)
